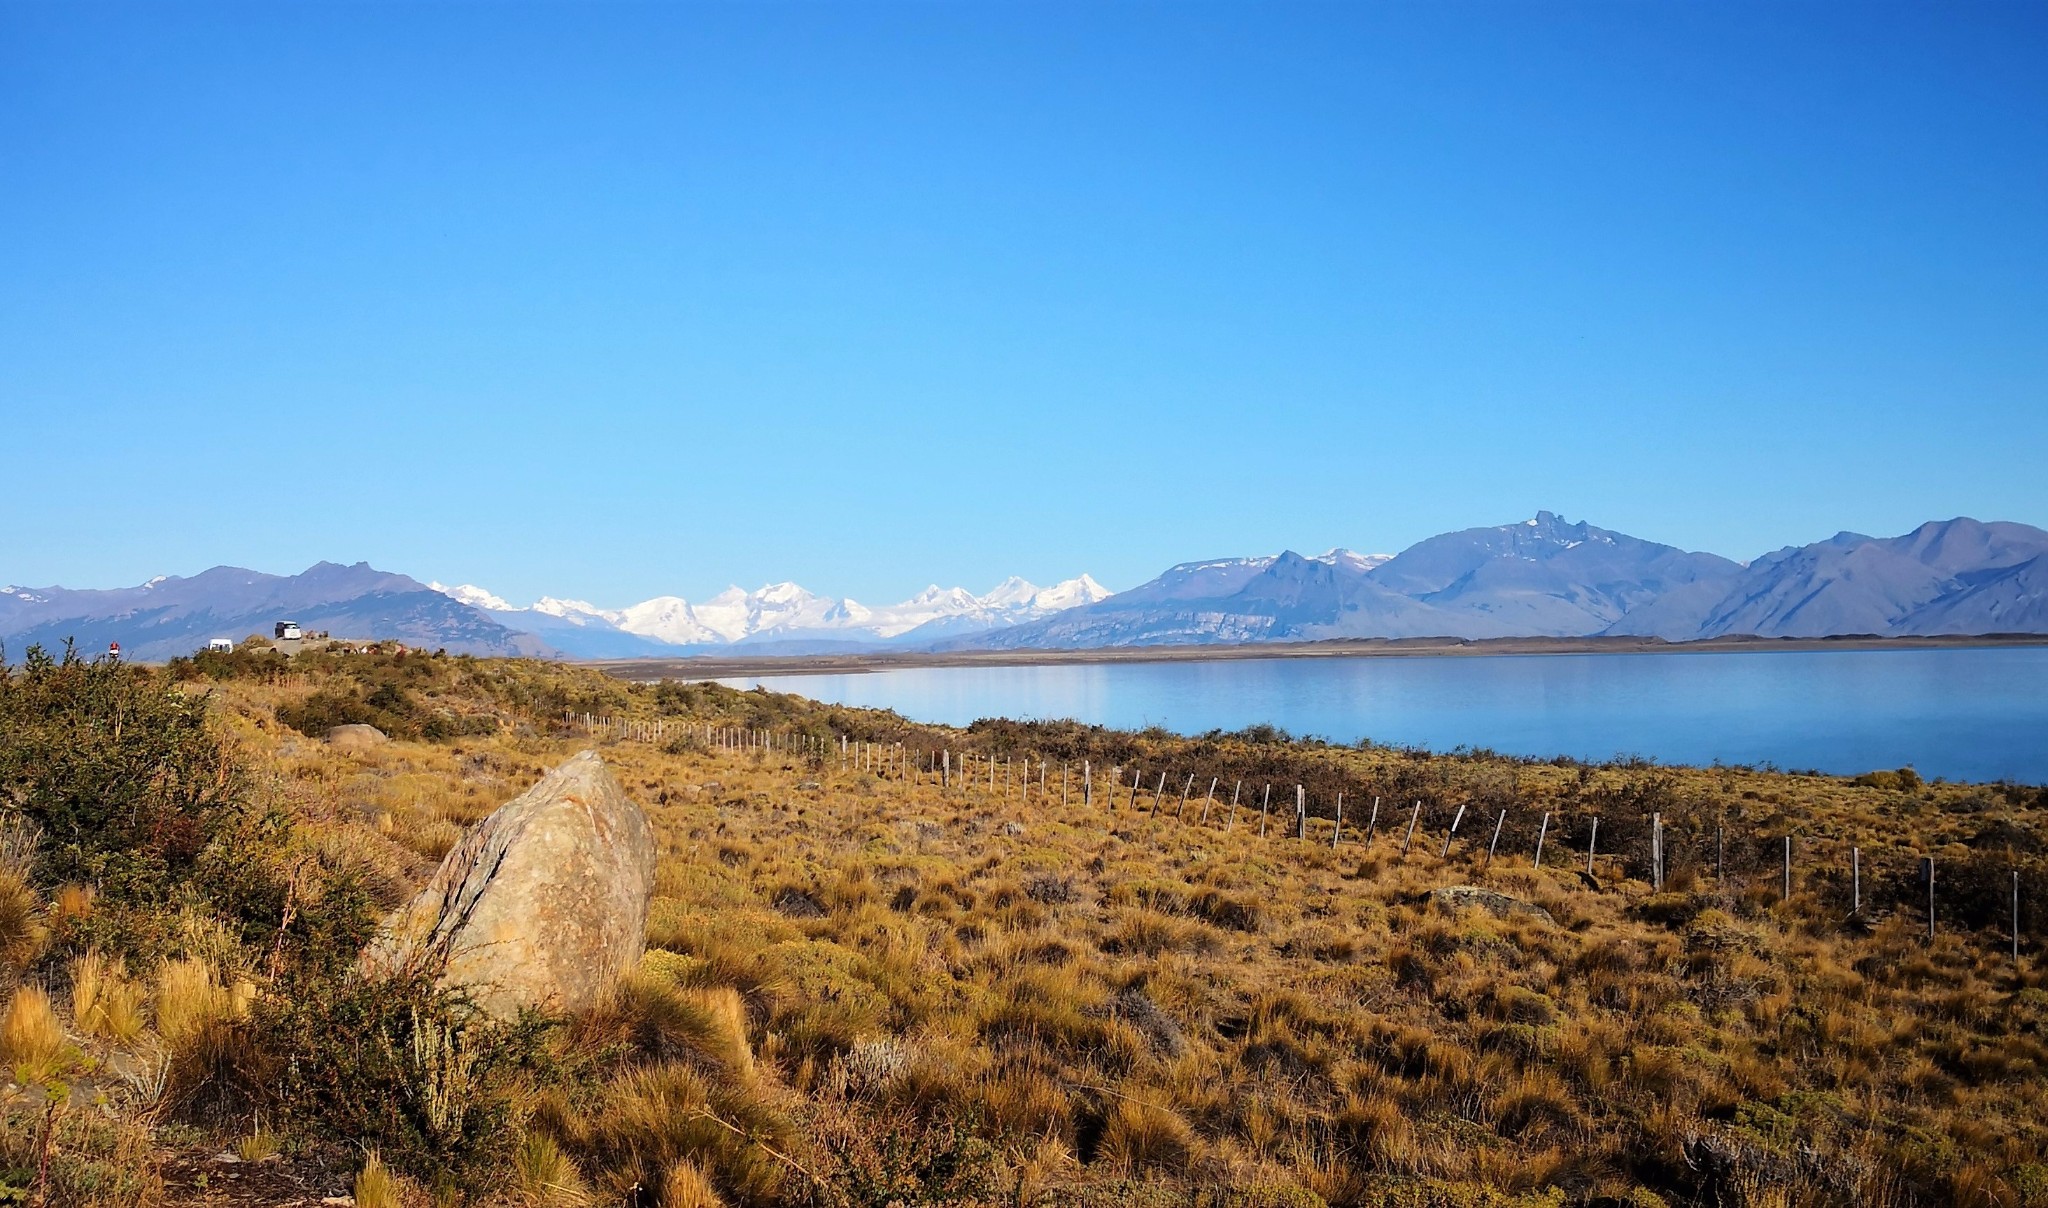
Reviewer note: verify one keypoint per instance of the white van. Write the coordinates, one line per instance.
(220, 646)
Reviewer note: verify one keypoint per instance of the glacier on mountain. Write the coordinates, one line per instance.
(784, 613)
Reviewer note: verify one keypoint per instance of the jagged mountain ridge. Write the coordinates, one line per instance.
(1547, 577)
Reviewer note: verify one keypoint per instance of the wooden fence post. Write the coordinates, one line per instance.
(2015, 917)
(1209, 801)
(1300, 813)
(1233, 806)
(1337, 831)
(1373, 824)
(1414, 816)
(1855, 881)
(1541, 831)
(1657, 852)
(1158, 792)
(1592, 843)
(1927, 871)
(1180, 815)
(1265, 802)
(1137, 778)
(1786, 896)
(1497, 824)
(1452, 833)
(1087, 787)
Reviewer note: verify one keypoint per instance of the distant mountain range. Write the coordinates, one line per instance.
(1542, 577)
(171, 616)
(1545, 577)
(780, 617)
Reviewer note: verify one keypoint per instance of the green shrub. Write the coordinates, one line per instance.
(118, 767)
(395, 1065)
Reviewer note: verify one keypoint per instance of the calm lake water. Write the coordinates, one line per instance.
(1961, 714)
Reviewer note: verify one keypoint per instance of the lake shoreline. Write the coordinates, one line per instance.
(706, 667)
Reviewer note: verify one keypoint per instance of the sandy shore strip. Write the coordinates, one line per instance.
(727, 666)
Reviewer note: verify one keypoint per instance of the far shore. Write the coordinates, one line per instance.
(725, 666)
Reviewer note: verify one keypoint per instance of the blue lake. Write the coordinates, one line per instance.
(1970, 714)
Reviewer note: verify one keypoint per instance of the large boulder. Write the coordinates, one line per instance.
(542, 904)
(355, 736)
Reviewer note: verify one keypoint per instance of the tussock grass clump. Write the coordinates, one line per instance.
(1143, 1137)
(22, 933)
(660, 1021)
(31, 1037)
(375, 1186)
(545, 1177)
(684, 1186)
(259, 1145)
(651, 1119)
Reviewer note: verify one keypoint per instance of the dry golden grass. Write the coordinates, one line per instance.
(22, 933)
(190, 1001)
(544, 1177)
(862, 980)
(31, 1036)
(376, 1187)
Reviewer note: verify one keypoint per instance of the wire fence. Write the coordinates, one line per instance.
(1681, 848)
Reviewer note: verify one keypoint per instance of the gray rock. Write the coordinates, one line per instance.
(542, 904)
(1462, 897)
(355, 737)
(1136, 1007)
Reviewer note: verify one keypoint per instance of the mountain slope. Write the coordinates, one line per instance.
(1543, 577)
(172, 616)
(1943, 577)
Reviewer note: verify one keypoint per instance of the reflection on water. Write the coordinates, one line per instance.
(1962, 714)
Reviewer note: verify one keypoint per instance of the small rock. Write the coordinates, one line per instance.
(1050, 890)
(1460, 897)
(355, 737)
(797, 904)
(1136, 1007)
(808, 786)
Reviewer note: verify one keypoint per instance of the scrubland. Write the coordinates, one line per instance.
(864, 988)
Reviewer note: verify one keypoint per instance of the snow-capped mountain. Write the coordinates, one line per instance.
(781, 614)
(475, 597)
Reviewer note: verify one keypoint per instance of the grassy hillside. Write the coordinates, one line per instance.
(866, 989)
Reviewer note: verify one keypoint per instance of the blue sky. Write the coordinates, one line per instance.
(618, 300)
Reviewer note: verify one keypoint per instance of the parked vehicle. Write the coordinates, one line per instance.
(288, 631)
